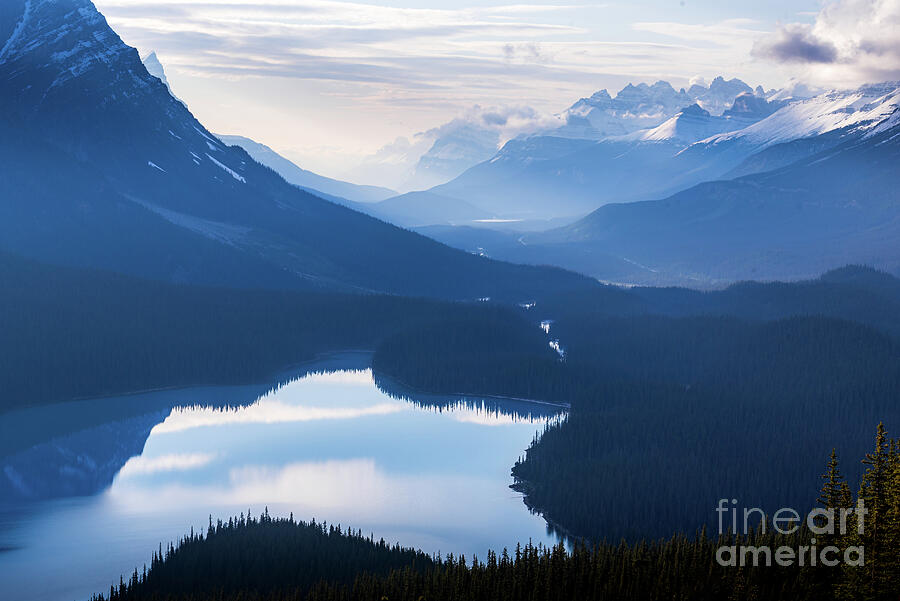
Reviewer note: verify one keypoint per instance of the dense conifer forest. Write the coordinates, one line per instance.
(670, 412)
(71, 333)
(677, 397)
(282, 560)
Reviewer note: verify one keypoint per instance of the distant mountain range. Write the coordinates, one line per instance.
(413, 209)
(104, 168)
(810, 187)
(607, 149)
(613, 149)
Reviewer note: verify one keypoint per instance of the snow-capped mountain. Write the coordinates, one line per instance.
(155, 68)
(834, 206)
(721, 94)
(104, 168)
(819, 189)
(552, 176)
(548, 176)
(438, 155)
(642, 106)
(459, 145)
(802, 127)
(853, 111)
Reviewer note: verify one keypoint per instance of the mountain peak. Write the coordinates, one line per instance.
(748, 104)
(662, 85)
(55, 42)
(695, 109)
(155, 68)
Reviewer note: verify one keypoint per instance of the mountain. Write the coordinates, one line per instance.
(545, 177)
(551, 176)
(643, 106)
(835, 207)
(696, 123)
(103, 168)
(804, 127)
(155, 68)
(458, 145)
(436, 155)
(618, 149)
(439, 155)
(413, 209)
(721, 94)
(334, 190)
(307, 180)
(807, 188)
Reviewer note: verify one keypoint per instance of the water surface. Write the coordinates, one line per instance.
(81, 509)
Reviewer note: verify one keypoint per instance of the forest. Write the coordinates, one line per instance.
(73, 333)
(670, 412)
(270, 559)
(675, 398)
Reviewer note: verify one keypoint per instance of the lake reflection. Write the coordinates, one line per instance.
(330, 446)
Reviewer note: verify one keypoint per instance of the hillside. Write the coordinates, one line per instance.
(106, 169)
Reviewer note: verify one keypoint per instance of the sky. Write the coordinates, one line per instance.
(330, 82)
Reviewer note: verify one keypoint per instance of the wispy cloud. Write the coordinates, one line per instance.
(141, 465)
(308, 75)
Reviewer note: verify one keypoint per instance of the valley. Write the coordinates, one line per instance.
(532, 355)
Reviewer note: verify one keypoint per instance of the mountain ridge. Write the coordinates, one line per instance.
(120, 175)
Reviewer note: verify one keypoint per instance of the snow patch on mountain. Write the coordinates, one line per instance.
(855, 110)
(229, 170)
(17, 32)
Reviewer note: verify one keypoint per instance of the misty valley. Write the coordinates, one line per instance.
(376, 301)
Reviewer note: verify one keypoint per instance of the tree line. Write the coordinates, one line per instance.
(74, 333)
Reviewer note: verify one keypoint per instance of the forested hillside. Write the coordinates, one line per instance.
(70, 333)
(669, 413)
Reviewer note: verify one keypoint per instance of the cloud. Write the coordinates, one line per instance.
(166, 463)
(478, 130)
(722, 34)
(530, 52)
(796, 43)
(304, 75)
(850, 42)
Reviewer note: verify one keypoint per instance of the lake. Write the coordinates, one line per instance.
(122, 475)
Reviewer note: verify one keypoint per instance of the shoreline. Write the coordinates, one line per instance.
(465, 395)
(275, 378)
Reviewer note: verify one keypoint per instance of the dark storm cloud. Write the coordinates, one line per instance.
(796, 44)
